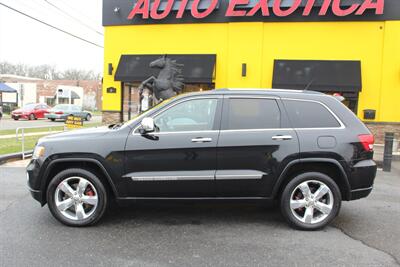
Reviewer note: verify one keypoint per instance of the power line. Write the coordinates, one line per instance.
(77, 11)
(74, 18)
(51, 26)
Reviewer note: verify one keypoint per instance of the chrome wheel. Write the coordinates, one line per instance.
(76, 198)
(311, 202)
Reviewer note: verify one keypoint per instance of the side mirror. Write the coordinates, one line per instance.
(147, 126)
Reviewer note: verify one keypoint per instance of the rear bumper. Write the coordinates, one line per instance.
(362, 179)
(360, 193)
(55, 116)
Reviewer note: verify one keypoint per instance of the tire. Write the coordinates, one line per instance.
(32, 117)
(53, 119)
(94, 193)
(16, 119)
(302, 218)
(88, 117)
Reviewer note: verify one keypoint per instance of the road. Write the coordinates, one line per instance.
(9, 124)
(366, 233)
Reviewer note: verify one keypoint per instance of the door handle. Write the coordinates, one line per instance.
(201, 140)
(282, 137)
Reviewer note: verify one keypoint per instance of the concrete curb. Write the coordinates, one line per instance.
(14, 157)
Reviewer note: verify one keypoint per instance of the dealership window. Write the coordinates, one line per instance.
(50, 100)
(327, 76)
(246, 113)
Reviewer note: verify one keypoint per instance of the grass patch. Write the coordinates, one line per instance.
(11, 145)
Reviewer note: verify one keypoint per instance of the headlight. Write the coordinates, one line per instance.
(38, 152)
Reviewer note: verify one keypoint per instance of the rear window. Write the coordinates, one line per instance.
(249, 113)
(306, 114)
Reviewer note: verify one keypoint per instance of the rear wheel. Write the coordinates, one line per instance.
(53, 119)
(77, 197)
(310, 201)
(88, 117)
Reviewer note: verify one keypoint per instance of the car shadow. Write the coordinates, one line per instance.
(193, 214)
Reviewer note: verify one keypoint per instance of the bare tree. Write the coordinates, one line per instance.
(47, 72)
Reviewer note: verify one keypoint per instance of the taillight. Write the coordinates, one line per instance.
(367, 141)
(59, 112)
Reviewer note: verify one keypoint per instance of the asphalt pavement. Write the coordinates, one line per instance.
(10, 124)
(366, 233)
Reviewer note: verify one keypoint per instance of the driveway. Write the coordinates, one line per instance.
(366, 233)
(9, 124)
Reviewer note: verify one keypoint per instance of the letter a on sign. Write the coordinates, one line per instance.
(378, 5)
(141, 7)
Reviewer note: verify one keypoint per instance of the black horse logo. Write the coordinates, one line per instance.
(167, 84)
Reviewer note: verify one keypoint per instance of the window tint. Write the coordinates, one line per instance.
(305, 114)
(192, 115)
(247, 113)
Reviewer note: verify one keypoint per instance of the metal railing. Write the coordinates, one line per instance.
(21, 137)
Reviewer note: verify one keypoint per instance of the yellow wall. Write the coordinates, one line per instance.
(375, 44)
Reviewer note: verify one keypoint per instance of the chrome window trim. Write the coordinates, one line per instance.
(342, 126)
(174, 104)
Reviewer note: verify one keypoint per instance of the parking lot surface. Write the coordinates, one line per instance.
(366, 233)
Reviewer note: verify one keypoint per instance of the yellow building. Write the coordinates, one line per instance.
(352, 49)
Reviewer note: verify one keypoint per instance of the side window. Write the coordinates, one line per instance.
(306, 114)
(252, 113)
(76, 108)
(192, 115)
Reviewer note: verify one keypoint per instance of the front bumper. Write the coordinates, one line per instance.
(34, 181)
(19, 116)
(362, 179)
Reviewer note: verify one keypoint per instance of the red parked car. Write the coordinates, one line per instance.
(30, 112)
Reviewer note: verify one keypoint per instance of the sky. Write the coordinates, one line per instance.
(23, 40)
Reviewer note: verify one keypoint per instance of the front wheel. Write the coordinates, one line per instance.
(310, 201)
(77, 197)
(32, 117)
(88, 117)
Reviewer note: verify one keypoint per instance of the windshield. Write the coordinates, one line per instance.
(144, 114)
(29, 107)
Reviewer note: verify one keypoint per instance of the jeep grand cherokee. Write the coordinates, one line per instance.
(305, 149)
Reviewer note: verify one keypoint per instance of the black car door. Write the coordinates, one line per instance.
(179, 159)
(255, 142)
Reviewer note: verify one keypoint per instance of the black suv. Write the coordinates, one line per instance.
(303, 148)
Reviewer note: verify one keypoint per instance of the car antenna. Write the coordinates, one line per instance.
(309, 84)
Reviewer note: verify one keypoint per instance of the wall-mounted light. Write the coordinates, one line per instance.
(110, 69)
(244, 69)
(117, 9)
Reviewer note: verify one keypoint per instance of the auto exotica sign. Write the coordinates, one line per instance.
(131, 12)
(147, 9)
